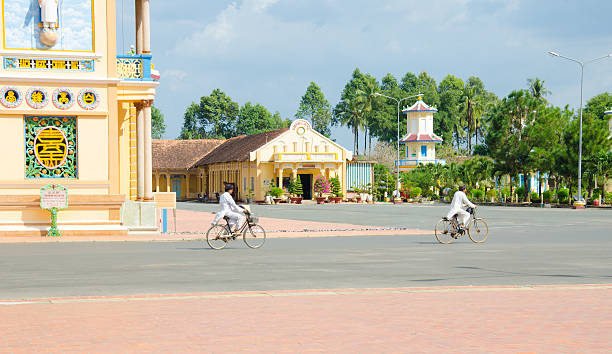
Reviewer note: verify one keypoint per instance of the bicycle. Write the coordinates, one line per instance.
(447, 230)
(253, 235)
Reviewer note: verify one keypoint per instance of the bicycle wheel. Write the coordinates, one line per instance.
(216, 237)
(443, 231)
(478, 230)
(254, 236)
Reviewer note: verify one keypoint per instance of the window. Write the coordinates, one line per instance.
(51, 147)
(424, 150)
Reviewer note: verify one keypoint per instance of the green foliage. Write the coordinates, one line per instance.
(316, 108)
(158, 126)
(321, 185)
(505, 192)
(563, 195)
(599, 104)
(491, 194)
(547, 196)
(296, 187)
(520, 193)
(415, 192)
(608, 198)
(535, 198)
(255, 119)
(481, 150)
(477, 194)
(276, 192)
(596, 193)
(335, 186)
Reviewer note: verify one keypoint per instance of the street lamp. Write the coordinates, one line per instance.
(582, 64)
(397, 182)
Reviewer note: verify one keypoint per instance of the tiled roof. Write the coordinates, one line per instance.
(181, 154)
(421, 138)
(239, 148)
(420, 106)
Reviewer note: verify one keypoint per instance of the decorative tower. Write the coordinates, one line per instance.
(420, 140)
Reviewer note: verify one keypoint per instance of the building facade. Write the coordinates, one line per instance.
(73, 113)
(420, 140)
(256, 163)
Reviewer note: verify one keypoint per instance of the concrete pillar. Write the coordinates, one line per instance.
(156, 181)
(139, 26)
(294, 173)
(187, 185)
(146, 27)
(148, 152)
(168, 182)
(280, 177)
(140, 151)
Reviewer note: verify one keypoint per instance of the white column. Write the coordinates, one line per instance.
(140, 149)
(146, 26)
(139, 26)
(148, 152)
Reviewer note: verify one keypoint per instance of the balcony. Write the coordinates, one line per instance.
(305, 156)
(135, 68)
(406, 164)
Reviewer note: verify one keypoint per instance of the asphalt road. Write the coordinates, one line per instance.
(526, 247)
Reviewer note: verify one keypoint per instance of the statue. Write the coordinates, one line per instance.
(48, 16)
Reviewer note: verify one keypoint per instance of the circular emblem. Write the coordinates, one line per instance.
(88, 99)
(51, 147)
(301, 130)
(63, 98)
(37, 97)
(10, 97)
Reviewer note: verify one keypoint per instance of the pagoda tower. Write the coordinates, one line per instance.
(420, 140)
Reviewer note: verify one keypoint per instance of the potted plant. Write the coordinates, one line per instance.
(357, 192)
(321, 187)
(415, 192)
(296, 189)
(336, 190)
(491, 194)
(276, 193)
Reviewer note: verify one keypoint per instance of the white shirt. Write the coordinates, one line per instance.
(48, 10)
(460, 200)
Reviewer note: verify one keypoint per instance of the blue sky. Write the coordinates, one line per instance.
(268, 51)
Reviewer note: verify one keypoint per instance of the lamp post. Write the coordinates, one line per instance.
(582, 64)
(397, 181)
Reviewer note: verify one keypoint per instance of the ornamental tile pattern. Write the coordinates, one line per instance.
(51, 147)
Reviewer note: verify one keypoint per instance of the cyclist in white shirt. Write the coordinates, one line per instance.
(458, 205)
(230, 209)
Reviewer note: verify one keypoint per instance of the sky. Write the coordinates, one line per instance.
(268, 51)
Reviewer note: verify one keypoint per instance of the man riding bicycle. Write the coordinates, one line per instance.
(458, 207)
(230, 209)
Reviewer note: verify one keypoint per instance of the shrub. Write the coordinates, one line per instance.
(477, 194)
(608, 198)
(596, 193)
(296, 187)
(563, 195)
(428, 193)
(535, 197)
(335, 186)
(321, 185)
(415, 192)
(520, 193)
(547, 196)
(505, 192)
(276, 192)
(491, 194)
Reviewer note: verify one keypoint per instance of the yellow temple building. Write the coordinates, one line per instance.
(74, 113)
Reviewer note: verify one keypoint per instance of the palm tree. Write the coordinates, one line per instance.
(369, 98)
(353, 117)
(537, 89)
(472, 111)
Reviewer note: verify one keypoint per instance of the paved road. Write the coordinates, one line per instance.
(527, 246)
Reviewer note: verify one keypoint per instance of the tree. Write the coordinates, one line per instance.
(368, 94)
(214, 117)
(158, 126)
(352, 117)
(447, 122)
(315, 107)
(537, 89)
(255, 119)
(599, 166)
(598, 105)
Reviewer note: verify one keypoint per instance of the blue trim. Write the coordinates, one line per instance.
(146, 66)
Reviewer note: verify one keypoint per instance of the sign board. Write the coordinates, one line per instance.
(165, 200)
(53, 196)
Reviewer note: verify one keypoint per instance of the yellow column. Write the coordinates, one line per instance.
(148, 152)
(146, 27)
(168, 182)
(187, 185)
(280, 177)
(156, 181)
(139, 27)
(140, 150)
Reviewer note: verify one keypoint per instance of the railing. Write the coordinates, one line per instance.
(305, 156)
(134, 67)
(416, 162)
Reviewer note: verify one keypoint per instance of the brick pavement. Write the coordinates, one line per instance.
(541, 319)
(194, 224)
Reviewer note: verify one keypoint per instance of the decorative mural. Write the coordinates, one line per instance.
(51, 147)
(48, 24)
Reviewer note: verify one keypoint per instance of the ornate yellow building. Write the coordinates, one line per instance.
(75, 113)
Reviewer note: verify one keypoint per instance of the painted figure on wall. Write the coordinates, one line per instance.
(48, 18)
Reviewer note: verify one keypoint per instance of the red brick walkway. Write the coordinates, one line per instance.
(547, 319)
